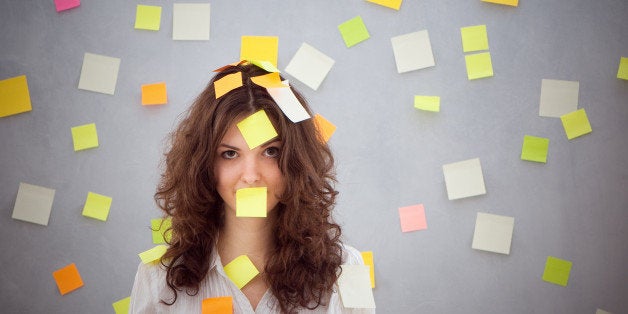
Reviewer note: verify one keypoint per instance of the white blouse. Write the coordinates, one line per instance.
(150, 287)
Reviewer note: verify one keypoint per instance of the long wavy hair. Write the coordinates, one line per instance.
(305, 263)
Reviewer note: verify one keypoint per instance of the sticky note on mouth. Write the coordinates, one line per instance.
(251, 202)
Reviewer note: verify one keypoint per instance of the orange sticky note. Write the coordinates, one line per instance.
(260, 48)
(412, 218)
(14, 96)
(68, 279)
(269, 80)
(227, 83)
(219, 305)
(154, 94)
(324, 127)
(368, 260)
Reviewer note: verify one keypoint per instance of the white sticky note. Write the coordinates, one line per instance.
(493, 233)
(309, 66)
(33, 204)
(464, 179)
(289, 104)
(413, 51)
(558, 97)
(99, 73)
(354, 285)
(598, 311)
(190, 21)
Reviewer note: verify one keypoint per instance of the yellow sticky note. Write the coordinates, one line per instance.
(324, 127)
(260, 48)
(368, 261)
(353, 31)
(148, 17)
(218, 305)
(227, 83)
(154, 94)
(622, 72)
(251, 202)
(153, 254)
(241, 270)
(266, 65)
(84, 136)
(97, 206)
(427, 103)
(479, 65)
(576, 123)
(534, 148)
(122, 306)
(557, 271)
(513, 3)
(161, 231)
(474, 38)
(393, 4)
(68, 279)
(269, 80)
(257, 129)
(14, 96)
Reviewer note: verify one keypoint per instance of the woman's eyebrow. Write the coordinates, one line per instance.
(275, 140)
(228, 146)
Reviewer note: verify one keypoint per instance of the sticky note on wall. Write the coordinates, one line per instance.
(368, 261)
(557, 271)
(154, 94)
(534, 148)
(622, 71)
(148, 17)
(68, 279)
(99, 73)
(393, 4)
(513, 3)
(97, 206)
(479, 65)
(33, 204)
(412, 51)
(474, 38)
(190, 21)
(576, 124)
(353, 31)
(14, 96)
(62, 5)
(427, 103)
(493, 233)
(558, 97)
(260, 48)
(464, 179)
(309, 66)
(84, 136)
(412, 218)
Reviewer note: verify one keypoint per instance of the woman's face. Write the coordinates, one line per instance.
(237, 167)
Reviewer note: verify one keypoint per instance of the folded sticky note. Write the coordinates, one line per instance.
(97, 206)
(122, 306)
(412, 218)
(622, 71)
(154, 94)
(241, 270)
(493, 233)
(368, 261)
(257, 129)
(251, 202)
(14, 96)
(62, 5)
(268, 80)
(353, 31)
(153, 254)
(576, 124)
(227, 83)
(99, 73)
(190, 21)
(161, 231)
(67, 278)
(148, 17)
(84, 136)
(289, 103)
(479, 65)
(412, 51)
(260, 48)
(427, 103)
(266, 65)
(534, 148)
(33, 203)
(309, 66)
(324, 127)
(464, 179)
(354, 285)
(558, 97)
(218, 305)
(474, 38)
(393, 4)
(557, 271)
(513, 3)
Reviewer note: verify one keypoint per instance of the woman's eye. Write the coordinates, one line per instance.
(271, 152)
(229, 154)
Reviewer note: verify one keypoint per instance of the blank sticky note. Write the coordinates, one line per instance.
(241, 270)
(412, 218)
(464, 179)
(354, 285)
(289, 103)
(122, 306)
(218, 305)
(62, 5)
(557, 271)
(227, 83)
(268, 80)
(190, 21)
(309, 66)
(474, 38)
(67, 278)
(412, 51)
(427, 103)
(161, 231)
(368, 261)
(558, 97)
(257, 129)
(154, 94)
(493, 233)
(153, 254)
(148, 17)
(97, 206)
(14, 96)
(393, 4)
(33, 203)
(479, 65)
(99, 73)
(353, 31)
(513, 3)
(84, 136)
(534, 148)
(324, 127)
(251, 202)
(263, 48)
(598, 311)
(576, 124)
(622, 71)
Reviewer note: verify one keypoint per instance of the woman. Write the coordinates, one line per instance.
(296, 248)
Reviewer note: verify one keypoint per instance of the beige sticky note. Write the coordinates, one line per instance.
(97, 206)
(260, 48)
(227, 83)
(412, 51)
(354, 284)
(558, 97)
(309, 66)
(289, 103)
(14, 96)
(99, 73)
(576, 124)
(367, 256)
(464, 179)
(257, 129)
(190, 21)
(241, 271)
(33, 203)
(251, 202)
(493, 233)
(153, 254)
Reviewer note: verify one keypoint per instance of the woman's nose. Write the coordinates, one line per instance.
(250, 171)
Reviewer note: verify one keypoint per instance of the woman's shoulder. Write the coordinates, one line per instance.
(351, 255)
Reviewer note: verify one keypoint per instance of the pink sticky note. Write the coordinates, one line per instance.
(63, 5)
(412, 218)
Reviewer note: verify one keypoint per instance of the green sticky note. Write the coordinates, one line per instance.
(160, 228)
(428, 103)
(266, 65)
(534, 148)
(622, 72)
(241, 270)
(148, 17)
(474, 38)
(251, 202)
(97, 206)
(576, 124)
(353, 31)
(557, 271)
(153, 254)
(257, 129)
(479, 65)
(84, 136)
(122, 306)
(14, 96)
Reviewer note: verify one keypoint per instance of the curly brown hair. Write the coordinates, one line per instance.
(304, 265)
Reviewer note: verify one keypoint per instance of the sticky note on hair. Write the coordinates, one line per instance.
(289, 103)
(266, 65)
(354, 284)
(257, 129)
(368, 261)
(393, 4)
(14, 96)
(97, 206)
(412, 218)
(353, 31)
(251, 202)
(259, 48)
(427, 103)
(227, 83)
(84, 136)
(122, 306)
(153, 254)
(534, 148)
(325, 128)
(161, 231)
(148, 17)
(479, 65)
(154, 94)
(33, 203)
(269, 80)
(68, 279)
(241, 270)
(474, 38)
(493, 233)
(576, 124)
(557, 271)
(218, 305)
(464, 179)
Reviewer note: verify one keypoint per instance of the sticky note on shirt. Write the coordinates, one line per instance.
(393, 4)
(84, 136)
(557, 271)
(241, 271)
(558, 97)
(161, 231)
(227, 83)
(309, 66)
(622, 71)
(251, 202)
(218, 305)
(412, 51)
(412, 218)
(62, 5)
(479, 65)
(122, 306)
(33, 203)
(354, 285)
(190, 21)
(324, 127)
(464, 179)
(576, 124)
(154, 94)
(353, 31)
(97, 206)
(153, 254)
(68, 279)
(148, 17)
(474, 38)
(289, 103)
(493, 233)
(14, 96)
(513, 3)
(99, 73)
(257, 129)
(260, 48)
(427, 103)
(368, 261)
(534, 148)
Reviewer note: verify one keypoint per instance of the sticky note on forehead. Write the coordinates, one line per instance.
(257, 129)
(251, 202)
(227, 83)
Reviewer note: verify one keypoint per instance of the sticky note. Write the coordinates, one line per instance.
(354, 285)
(268, 80)
(266, 65)
(598, 311)
(33, 203)
(257, 129)
(251, 202)
(493, 233)
(310, 66)
(148, 17)
(259, 48)
(412, 51)
(368, 261)
(241, 270)
(353, 31)
(99, 73)
(324, 127)
(122, 306)
(154, 94)
(622, 71)
(84, 136)
(67, 278)
(479, 65)
(393, 4)
(14, 96)
(513, 3)
(161, 231)
(412, 218)
(557, 271)
(464, 179)
(227, 83)
(62, 5)
(218, 305)
(534, 148)
(427, 103)
(289, 103)
(576, 124)
(558, 97)
(153, 254)
(97, 206)
(190, 21)
(474, 38)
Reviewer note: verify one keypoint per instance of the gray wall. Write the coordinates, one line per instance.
(389, 154)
